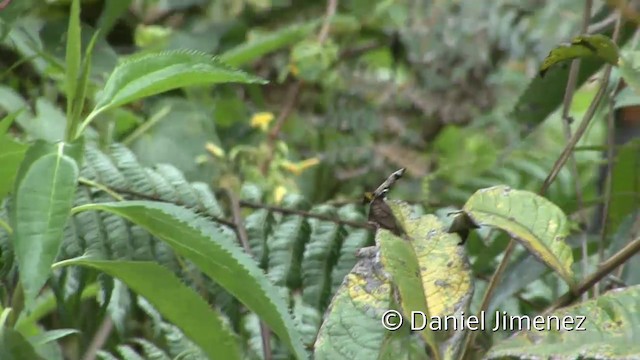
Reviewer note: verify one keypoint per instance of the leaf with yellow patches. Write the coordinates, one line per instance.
(429, 268)
(532, 220)
(352, 329)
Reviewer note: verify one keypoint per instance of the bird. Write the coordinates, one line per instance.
(380, 213)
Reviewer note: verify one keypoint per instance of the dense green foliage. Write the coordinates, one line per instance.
(183, 179)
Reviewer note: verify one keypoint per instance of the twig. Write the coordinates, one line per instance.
(566, 122)
(332, 5)
(117, 193)
(564, 156)
(91, 183)
(241, 231)
(607, 188)
(99, 339)
(287, 211)
(287, 108)
(294, 92)
(605, 268)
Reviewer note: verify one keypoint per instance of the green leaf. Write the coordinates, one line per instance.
(51, 335)
(77, 102)
(256, 48)
(218, 257)
(174, 300)
(11, 154)
(153, 73)
(400, 260)
(44, 194)
(532, 220)
(597, 45)
(352, 329)
(15, 347)
(545, 94)
(611, 331)
(73, 54)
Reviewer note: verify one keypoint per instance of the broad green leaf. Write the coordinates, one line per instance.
(255, 48)
(625, 184)
(15, 347)
(11, 154)
(597, 45)
(611, 331)
(430, 269)
(544, 94)
(73, 54)
(352, 329)
(532, 220)
(153, 73)
(51, 335)
(44, 194)
(225, 262)
(175, 301)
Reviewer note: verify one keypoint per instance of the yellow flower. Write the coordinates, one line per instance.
(214, 149)
(261, 120)
(298, 168)
(279, 193)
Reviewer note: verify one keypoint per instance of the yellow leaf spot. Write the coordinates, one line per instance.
(279, 193)
(261, 120)
(214, 150)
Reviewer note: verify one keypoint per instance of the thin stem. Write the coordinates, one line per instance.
(91, 183)
(303, 213)
(241, 232)
(87, 121)
(99, 339)
(144, 127)
(566, 122)
(294, 91)
(607, 187)
(605, 268)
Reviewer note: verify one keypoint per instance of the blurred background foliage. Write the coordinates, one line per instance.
(426, 85)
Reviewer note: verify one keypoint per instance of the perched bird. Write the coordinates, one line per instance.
(379, 211)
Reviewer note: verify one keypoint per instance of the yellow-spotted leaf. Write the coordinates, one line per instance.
(603, 328)
(597, 45)
(446, 275)
(532, 220)
(352, 327)
(429, 264)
